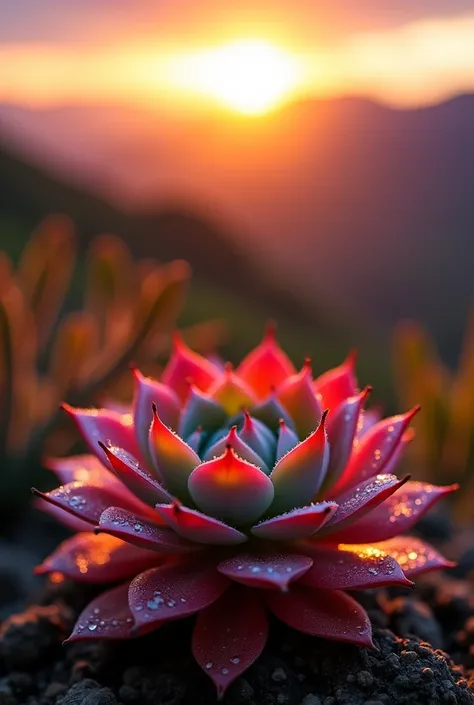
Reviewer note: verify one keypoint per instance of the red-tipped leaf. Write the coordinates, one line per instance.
(172, 458)
(231, 488)
(148, 392)
(108, 616)
(341, 430)
(174, 590)
(88, 558)
(414, 555)
(135, 476)
(299, 474)
(329, 614)
(265, 570)
(229, 636)
(396, 515)
(87, 502)
(296, 524)
(231, 392)
(107, 426)
(80, 468)
(299, 398)
(336, 385)
(198, 527)
(185, 366)
(373, 451)
(352, 568)
(234, 441)
(354, 503)
(145, 534)
(266, 366)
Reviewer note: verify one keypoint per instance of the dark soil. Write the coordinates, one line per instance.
(35, 669)
(425, 655)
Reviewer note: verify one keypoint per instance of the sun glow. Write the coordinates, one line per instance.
(249, 76)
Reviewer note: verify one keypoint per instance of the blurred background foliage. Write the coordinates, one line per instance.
(69, 328)
(442, 450)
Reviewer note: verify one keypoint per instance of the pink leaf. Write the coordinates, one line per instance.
(174, 590)
(352, 568)
(148, 392)
(299, 398)
(173, 459)
(229, 636)
(138, 480)
(299, 474)
(265, 570)
(367, 419)
(296, 524)
(107, 426)
(127, 526)
(373, 451)
(336, 385)
(61, 515)
(232, 393)
(265, 367)
(360, 500)
(88, 558)
(231, 488)
(414, 555)
(395, 515)
(198, 527)
(341, 430)
(108, 616)
(329, 614)
(80, 468)
(185, 366)
(88, 502)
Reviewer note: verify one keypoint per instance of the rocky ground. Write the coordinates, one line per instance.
(425, 641)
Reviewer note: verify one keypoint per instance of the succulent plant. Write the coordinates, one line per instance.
(443, 446)
(231, 493)
(48, 355)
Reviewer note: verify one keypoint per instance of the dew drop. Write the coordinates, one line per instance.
(235, 660)
(209, 665)
(92, 627)
(255, 569)
(225, 671)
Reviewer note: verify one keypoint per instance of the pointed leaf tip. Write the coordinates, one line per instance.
(299, 474)
(231, 488)
(198, 527)
(184, 365)
(266, 366)
(298, 397)
(172, 457)
(295, 524)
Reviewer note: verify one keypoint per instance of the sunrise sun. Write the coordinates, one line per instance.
(249, 76)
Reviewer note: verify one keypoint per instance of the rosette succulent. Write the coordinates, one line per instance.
(235, 493)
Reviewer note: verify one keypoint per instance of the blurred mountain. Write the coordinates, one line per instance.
(369, 205)
(27, 195)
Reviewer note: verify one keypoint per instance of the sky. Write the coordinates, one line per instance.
(403, 52)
